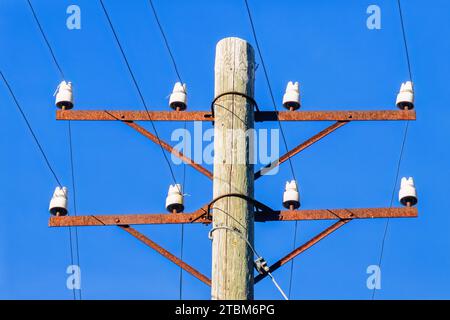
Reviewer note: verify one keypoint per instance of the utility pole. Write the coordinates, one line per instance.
(233, 217)
(233, 209)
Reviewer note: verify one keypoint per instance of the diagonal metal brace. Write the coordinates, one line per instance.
(166, 254)
(169, 148)
(299, 148)
(303, 247)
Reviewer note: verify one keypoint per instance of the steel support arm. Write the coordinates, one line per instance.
(200, 217)
(303, 248)
(110, 115)
(166, 254)
(300, 148)
(169, 148)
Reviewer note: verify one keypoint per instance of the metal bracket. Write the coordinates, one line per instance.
(166, 254)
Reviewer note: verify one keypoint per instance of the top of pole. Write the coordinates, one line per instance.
(242, 66)
(236, 39)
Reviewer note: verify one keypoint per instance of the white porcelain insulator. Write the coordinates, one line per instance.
(291, 196)
(174, 199)
(58, 203)
(178, 97)
(291, 98)
(64, 95)
(408, 193)
(405, 97)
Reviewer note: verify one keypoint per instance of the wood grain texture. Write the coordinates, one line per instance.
(232, 259)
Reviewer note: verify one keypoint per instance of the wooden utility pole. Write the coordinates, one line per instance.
(233, 216)
(232, 258)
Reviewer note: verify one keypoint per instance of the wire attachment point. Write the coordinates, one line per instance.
(261, 266)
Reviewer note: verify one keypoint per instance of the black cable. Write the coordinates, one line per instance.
(257, 204)
(165, 40)
(58, 66)
(404, 40)
(72, 260)
(74, 197)
(181, 258)
(269, 85)
(292, 263)
(213, 103)
(392, 198)
(46, 40)
(36, 140)
(278, 119)
(31, 131)
(405, 134)
(138, 90)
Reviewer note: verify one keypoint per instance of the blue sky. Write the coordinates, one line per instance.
(340, 64)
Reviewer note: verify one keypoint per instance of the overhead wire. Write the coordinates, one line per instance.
(141, 96)
(31, 131)
(405, 42)
(166, 42)
(58, 66)
(74, 195)
(266, 75)
(405, 134)
(45, 39)
(178, 74)
(44, 155)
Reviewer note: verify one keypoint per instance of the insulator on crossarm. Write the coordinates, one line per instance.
(291, 98)
(64, 95)
(58, 203)
(178, 97)
(407, 194)
(291, 198)
(405, 97)
(174, 200)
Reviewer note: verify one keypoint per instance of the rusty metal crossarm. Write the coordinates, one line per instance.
(331, 214)
(200, 217)
(166, 254)
(299, 148)
(374, 115)
(114, 115)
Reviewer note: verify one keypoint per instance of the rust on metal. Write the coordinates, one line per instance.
(169, 148)
(330, 214)
(133, 219)
(303, 247)
(110, 115)
(200, 216)
(300, 148)
(335, 115)
(166, 254)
